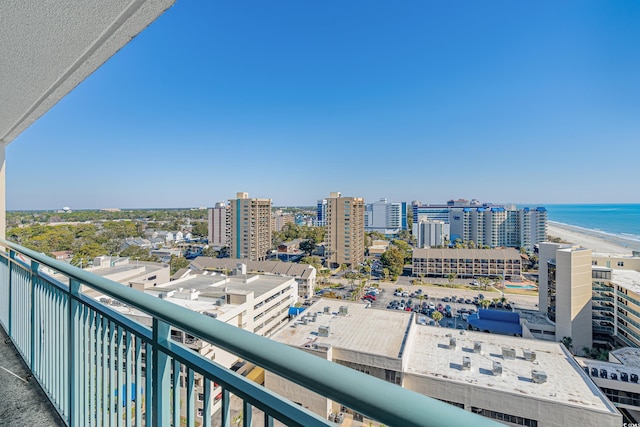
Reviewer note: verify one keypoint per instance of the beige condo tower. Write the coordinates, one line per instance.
(345, 230)
(249, 227)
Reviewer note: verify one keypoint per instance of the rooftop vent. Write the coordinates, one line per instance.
(304, 320)
(508, 353)
(477, 347)
(538, 377)
(327, 309)
(323, 331)
(466, 363)
(452, 343)
(343, 310)
(497, 369)
(313, 317)
(529, 355)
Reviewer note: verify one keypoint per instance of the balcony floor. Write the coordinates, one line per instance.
(22, 403)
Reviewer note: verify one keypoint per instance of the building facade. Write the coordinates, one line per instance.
(432, 234)
(468, 263)
(488, 225)
(565, 291)
(386, 218)
(345, 230)
(249, 227)
(218, 221)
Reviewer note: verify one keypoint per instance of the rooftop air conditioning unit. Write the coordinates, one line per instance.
(323, 331)
(343, 310)
(477, 347)
(327, 310)
(538, 377)
(508, 353)
(466, 363)
(497, 369)
(529, 355)
(452, 343)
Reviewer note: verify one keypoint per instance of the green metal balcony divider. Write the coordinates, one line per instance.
(99, 367)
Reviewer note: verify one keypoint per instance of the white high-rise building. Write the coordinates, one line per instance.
(384, 217)
(432, 234)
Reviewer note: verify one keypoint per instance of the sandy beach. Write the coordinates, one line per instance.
(597, 241)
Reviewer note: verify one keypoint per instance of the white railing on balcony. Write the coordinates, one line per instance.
(99, 367)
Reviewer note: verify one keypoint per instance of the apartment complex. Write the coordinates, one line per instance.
(345, 230)
(249, 227)
(512, 380)
(469, 263)
(386, 218)
(487, 225)
(565, 290)
(218, 221)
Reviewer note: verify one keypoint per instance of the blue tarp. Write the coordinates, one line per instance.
(496, 321)
(294, 311)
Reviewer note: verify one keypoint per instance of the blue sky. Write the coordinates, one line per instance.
(502, 101)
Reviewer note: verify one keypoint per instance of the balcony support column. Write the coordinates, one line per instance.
(161, 371)
(3, 197)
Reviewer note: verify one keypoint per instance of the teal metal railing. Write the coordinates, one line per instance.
(99, 367)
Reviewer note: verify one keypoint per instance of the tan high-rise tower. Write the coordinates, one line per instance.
(345, 230)
(249, 227)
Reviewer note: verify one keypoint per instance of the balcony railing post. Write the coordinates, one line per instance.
(161, 370)
(74, 356)
(34, 278)
(12, 257)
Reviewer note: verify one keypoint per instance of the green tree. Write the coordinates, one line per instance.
(312, 260)
(308, 246)
(436, 316)
(451, 277)
(210, 252)
(176, 263)
(136, 252)
(393, 260)
(485, 303)
(200, 229)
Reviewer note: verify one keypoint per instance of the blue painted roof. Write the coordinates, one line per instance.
(541, 209)
(496, 321)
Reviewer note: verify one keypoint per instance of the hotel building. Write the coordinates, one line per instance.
(565, 291)
(249, 227)
(469, 263)
(386, 218)
(345, 230)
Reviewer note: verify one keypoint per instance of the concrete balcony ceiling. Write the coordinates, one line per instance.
(49, 47)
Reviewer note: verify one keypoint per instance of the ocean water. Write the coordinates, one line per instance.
(621, 220)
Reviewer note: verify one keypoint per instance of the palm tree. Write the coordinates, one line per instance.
(485, 303)
(237, 419)
(436, 316)
(451, 277)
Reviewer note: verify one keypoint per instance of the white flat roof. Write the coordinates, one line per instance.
(628, 279)
(362, 330)
(566, 381)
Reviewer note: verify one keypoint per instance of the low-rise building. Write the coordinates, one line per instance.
(513, 380)
(304, 274)
(468, 263)
(256, 303)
